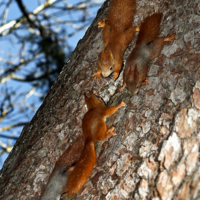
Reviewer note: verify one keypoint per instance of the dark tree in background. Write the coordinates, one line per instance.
(155, 154)
(34, 48)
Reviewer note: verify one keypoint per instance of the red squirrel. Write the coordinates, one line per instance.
(148, 47)
(70, 180)
(117, 34)
(60, 173)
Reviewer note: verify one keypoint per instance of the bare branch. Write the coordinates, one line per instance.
(18, 23)
(8, 137)
(4, 16)
(12, 126)
(5, 148)
(10, 72)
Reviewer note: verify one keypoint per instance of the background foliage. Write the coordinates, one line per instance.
(37, 37)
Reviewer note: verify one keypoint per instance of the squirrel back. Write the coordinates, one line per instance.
(120, 14)
(150, 29)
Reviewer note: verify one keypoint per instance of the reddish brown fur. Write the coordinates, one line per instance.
(82, 152)
(120, 14)
(94, 129)
(150, 29)
(148, 47)
(58, 177)
(82, 169)
(92, 102)
(117, 34)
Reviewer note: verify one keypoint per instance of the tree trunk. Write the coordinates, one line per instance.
(155, 154)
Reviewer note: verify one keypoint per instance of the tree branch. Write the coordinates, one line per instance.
(17, 23)
(12, 126)
(8, 137)
(11, 72)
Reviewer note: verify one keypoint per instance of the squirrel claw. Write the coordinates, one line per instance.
(114, 134)
(146, 82)
(111, 129)
(110, 132)
(122, 104)
(97, 75)
(102, 23)
(115, 75)
(170, 37)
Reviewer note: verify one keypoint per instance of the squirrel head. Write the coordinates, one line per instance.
(106, 62)
(133, 81)
(93, 101)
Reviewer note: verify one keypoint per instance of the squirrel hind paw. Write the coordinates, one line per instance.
(101, 23)
(170, 37)
(110, 132)
(122, 87)
(145, 82)
(122, 104)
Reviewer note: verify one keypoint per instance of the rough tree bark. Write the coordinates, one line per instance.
(155, 154)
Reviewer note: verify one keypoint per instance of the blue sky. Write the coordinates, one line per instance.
(7, 47)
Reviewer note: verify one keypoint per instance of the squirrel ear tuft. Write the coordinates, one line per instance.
(91, 93)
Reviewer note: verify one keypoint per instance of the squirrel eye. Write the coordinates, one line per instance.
(137, 86)
(111, 68)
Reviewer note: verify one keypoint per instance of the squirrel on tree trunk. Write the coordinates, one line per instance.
(117, 34)
(70, 180)
(148, 47)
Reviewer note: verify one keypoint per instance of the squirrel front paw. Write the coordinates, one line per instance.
(102, 23)
(97, 75)
(115, 75)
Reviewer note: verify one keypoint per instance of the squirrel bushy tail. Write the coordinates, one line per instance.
(59, 176)
(82, 169)
(117, 9)
(150, 29)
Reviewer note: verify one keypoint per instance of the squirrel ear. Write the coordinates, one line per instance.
(91, 94)
(86, 98)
